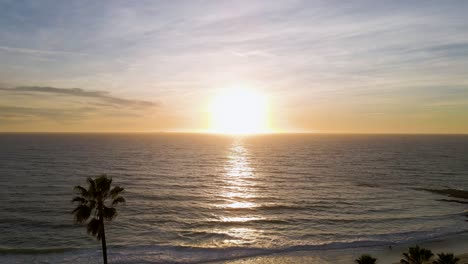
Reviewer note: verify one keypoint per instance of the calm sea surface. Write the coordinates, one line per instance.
(195, 198)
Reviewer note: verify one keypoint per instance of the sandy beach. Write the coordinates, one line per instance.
(302, 257)
(455, 244)
(312, 260)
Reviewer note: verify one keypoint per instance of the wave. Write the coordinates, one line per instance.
(34, 251)
(21, 222)
(195, 255)
(323, 220)
(170, 254)
(202, 235)
(369, 220)
(278, 207)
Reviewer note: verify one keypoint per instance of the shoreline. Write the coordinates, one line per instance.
(457, 244)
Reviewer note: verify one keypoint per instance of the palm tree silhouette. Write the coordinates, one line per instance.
(444, 258)
(417, 255)
(366, 259)
(92, 203)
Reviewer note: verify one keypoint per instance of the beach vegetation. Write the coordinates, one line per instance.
(97, 204)
(446, 258)
(417, 255)
(366, 259)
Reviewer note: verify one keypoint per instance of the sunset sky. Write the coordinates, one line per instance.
(320, 66)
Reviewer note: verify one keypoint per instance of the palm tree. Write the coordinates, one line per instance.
(444, 258)
(366, 259)
(92, 203)
(417, 255)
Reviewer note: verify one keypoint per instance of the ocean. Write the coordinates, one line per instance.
(194, 198)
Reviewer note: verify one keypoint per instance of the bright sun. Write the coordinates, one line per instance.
(239, 111)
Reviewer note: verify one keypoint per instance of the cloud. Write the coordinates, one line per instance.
(39, 106)
(102, 96)
(39, 52)
(17, 113)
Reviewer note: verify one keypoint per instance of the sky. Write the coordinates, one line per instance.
(149, 66)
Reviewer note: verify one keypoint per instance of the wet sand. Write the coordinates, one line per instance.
(457, 244)
(312, 260)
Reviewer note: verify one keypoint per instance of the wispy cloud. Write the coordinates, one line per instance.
(100, 95)
(40, 52)
(19, 113)
(63, 107)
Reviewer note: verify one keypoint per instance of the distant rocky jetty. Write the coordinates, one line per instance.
(460, 196)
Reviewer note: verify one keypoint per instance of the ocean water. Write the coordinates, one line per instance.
(198, 198)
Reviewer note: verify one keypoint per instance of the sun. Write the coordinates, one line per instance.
(239, 110)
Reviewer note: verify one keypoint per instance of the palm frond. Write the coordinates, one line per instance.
(82, 213)
(79, 199)
(117, 190)
(82, 191)
(92, 187)
(103, 184)
(109, 213)
(118, 200)
(446, 258)
(417, 255)
(366, 259)
(406, 260)
(94, 228)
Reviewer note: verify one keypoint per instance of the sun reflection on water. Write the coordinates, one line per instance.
(238, 180)
(238, 192)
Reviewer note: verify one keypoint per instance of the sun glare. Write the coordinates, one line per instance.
(239, 111)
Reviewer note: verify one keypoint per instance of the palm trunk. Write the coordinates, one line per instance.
(103, 240)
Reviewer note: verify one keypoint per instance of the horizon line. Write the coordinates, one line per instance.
(228, 134)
